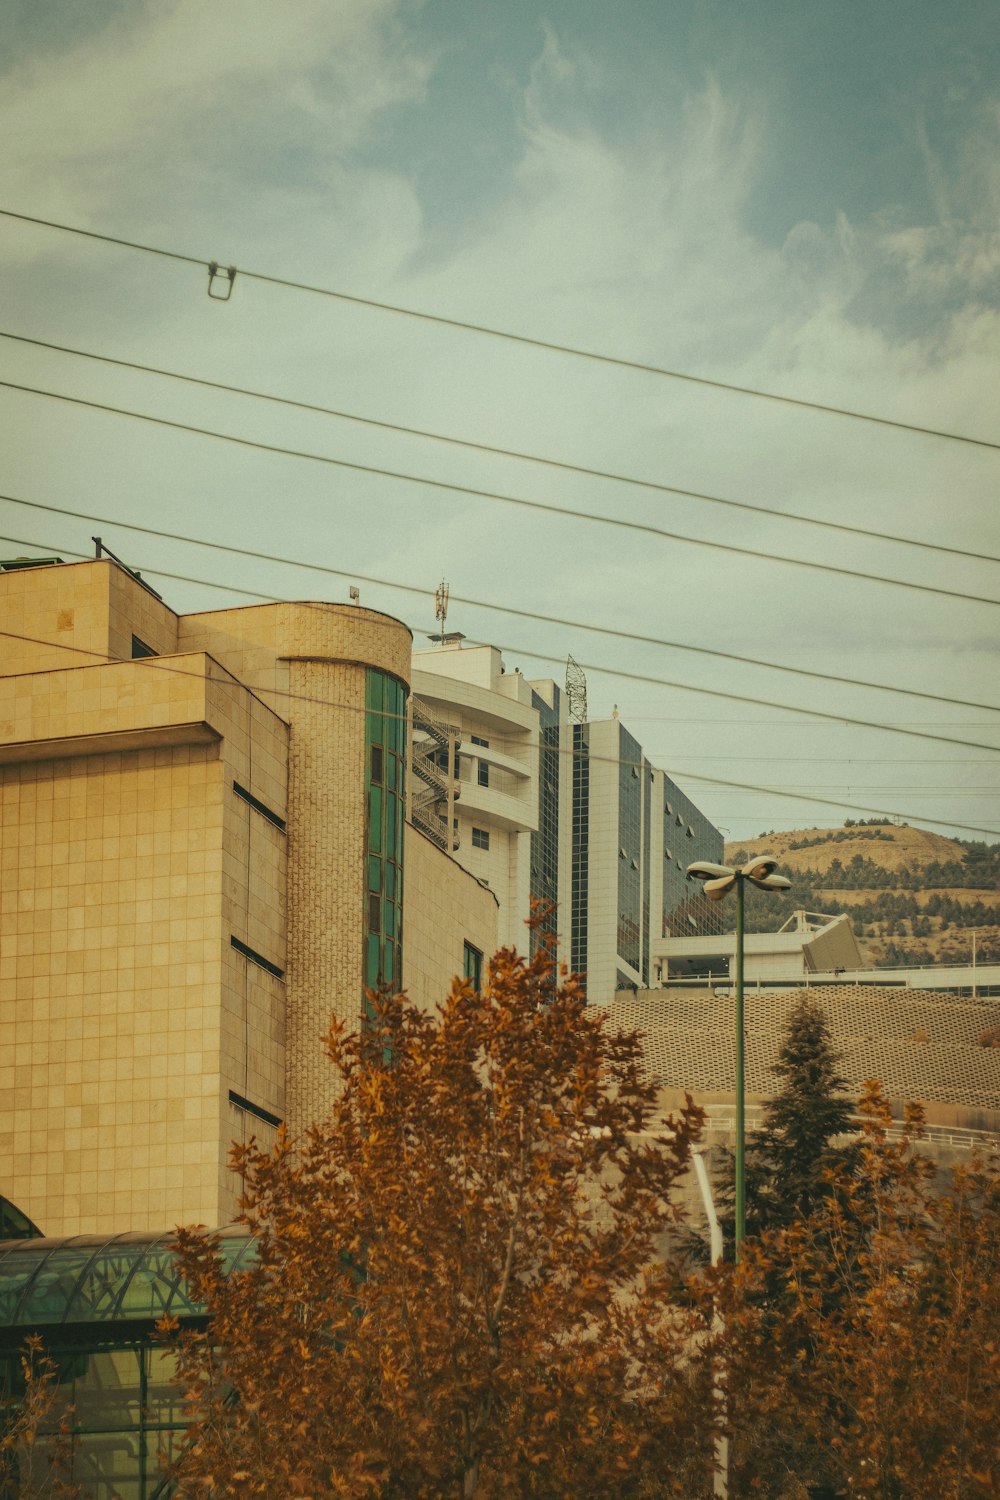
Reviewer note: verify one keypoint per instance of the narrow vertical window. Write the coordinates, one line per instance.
(473, 967)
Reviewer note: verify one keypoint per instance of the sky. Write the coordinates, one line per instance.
(796, 199)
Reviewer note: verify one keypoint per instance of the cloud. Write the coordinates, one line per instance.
(238, 89)
(268, 135)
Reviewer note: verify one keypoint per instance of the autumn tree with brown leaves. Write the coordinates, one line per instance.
(36, 1430)
(457, 1290)
(876, 1370)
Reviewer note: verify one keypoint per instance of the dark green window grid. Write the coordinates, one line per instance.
(580, 853)
(545, 841)
(385, 762)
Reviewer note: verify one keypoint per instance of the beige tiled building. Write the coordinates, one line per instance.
(201, 857)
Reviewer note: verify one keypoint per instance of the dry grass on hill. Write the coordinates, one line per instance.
(891, 847)
(915, 918)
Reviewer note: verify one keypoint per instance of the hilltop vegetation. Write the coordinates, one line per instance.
(913, 896)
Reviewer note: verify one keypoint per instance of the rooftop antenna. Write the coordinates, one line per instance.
(441, 606)
(576, 691)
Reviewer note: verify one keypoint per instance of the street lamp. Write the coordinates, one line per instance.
(719, 880)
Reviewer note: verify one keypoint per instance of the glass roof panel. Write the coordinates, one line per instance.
(95, 1278)
(46, 1295)
(16, 1270)
(156, 1288)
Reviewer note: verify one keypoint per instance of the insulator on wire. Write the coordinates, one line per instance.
(225, 277)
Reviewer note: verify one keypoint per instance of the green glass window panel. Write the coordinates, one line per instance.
(372, 966)
(374, 873)
(375, 819)
(391, 825)
(376, 690)
(155, 1288)
(107, 1278)
(57, 1286)
(249, 1255)
(473, 966)
(376, 764)
(16, 1270)
(15, 1225)
(390, 882)
(392, 773)
(106, 1392)
(164, 1401)
(388, 962)
(388, 919)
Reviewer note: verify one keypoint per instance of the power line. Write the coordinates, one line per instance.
(548, 346)
(161, 664)
(497, 452)
(494, 496)
(505, 609)
(945, 791)
(816, 713)
(827, 802)
(548, 658)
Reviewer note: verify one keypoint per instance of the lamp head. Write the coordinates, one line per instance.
(703, 869)
(759, 866)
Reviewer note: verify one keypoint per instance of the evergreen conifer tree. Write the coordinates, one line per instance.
(788, 1158)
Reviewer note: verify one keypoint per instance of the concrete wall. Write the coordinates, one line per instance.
(443, 908)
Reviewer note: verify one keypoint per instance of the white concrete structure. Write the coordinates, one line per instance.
(808, 943)
(502, 808)
(552, 809)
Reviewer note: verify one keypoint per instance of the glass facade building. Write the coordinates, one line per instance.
(629, 848)
(633, 836)
(95, 1302)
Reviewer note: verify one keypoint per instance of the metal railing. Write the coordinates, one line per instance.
(722, 1121)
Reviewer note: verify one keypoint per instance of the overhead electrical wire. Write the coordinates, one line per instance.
(504, 609)
(497, 452)
(548, 346)
(493, 496)
(163, 664)
(815, 713)
(617, 672)
(823, 801)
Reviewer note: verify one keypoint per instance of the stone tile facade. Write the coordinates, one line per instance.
(182, 886)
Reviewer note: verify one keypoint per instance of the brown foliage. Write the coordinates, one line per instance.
(457, 1291)
(875, 1370)
(32, 1466)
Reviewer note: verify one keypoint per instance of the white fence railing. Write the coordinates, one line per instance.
(722, 1121)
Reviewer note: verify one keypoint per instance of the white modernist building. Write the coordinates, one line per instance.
(634, 834)
(541, 806)
(508, 794)
(808, 943)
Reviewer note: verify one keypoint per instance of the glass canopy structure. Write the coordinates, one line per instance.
(95, 1303)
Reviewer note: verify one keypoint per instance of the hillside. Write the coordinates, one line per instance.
(914, 896)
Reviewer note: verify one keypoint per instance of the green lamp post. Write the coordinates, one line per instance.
(718, 881)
